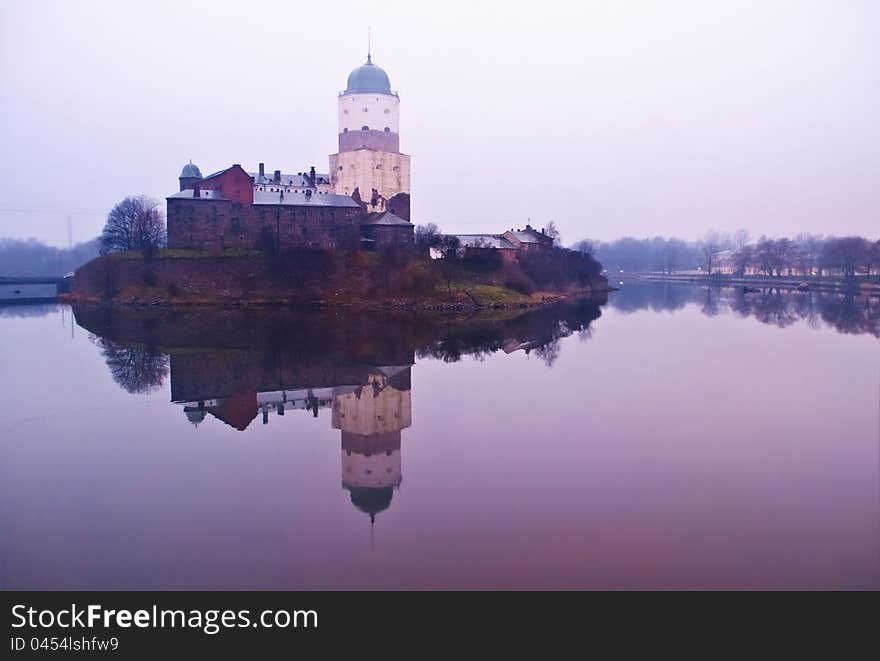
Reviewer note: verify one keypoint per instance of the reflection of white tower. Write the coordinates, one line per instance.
(371, 419)
(369, 157)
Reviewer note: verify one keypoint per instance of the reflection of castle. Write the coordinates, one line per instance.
(371, 419)
(370, 411)
(237, 364)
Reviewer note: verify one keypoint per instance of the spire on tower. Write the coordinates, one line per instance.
(369, 45)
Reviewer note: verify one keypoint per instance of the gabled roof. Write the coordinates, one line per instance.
(384, 218)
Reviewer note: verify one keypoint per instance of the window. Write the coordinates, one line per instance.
(387, 130)
(387, 110)
(345, 130)
(365, 128)
(366, 110)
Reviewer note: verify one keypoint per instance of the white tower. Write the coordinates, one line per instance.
(369, 157)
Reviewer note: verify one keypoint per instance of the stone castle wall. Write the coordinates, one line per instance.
(217, 225)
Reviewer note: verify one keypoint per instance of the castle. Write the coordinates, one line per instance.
(363, 203)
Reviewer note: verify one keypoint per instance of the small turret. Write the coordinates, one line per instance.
(189, 176)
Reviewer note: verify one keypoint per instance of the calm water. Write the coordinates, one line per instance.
(672, 437)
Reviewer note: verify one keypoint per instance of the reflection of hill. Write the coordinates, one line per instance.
(845, 313)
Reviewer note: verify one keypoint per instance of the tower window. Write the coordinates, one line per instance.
(387, 110)
(365, 128)
(366, 109)
(387, 130)
(345, 130)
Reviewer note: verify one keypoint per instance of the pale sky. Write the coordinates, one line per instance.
(609, 118)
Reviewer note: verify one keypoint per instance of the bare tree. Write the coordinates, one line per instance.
(874, 256)
(808, 251)
(847, 254)
(673, 253)
(427, 237)
(709, 248)
(785, 255)
(741, 238)
(743, 258)
(553, 232)
(451, 253)
(585, 246)
(136, 223)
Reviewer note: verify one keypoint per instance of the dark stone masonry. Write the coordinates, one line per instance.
(223, 211)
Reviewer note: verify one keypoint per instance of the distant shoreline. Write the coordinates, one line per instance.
(860, 285)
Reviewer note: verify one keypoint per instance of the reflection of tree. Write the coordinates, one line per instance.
(851, 314)
(540, 331)
(136, 369)
(710, 304)
(774, 306)
(659, 296)
(845, 313)
(549, 352)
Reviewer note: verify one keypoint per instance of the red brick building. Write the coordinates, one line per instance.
(226, 210)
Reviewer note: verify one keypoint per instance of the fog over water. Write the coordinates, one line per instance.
(609, 118)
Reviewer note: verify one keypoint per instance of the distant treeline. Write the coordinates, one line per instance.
(805, 254)
(31, 257)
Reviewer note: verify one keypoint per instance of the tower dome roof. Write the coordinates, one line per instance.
(371, 500)
(368, 78)
(195, 416)
(190, 170)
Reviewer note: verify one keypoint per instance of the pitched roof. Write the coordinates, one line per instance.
(206, 194)
(289, 179)
(219, 172)
(237, 411)
(530, 236)
(384, 218)
(484, 241)
(301, 200)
